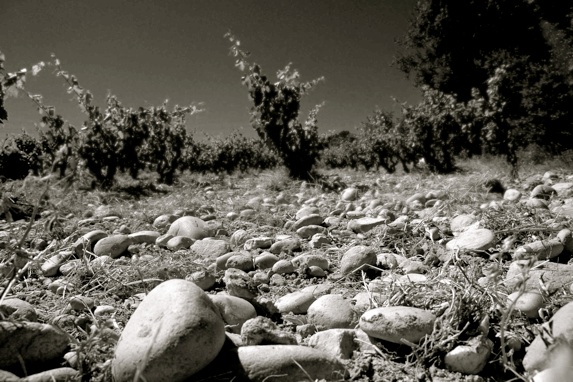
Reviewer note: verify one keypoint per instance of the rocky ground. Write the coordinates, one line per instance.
(367, 276)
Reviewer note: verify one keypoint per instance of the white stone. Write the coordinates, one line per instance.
(472, 240)
(396, 322)
(470, 358)
(175, 332)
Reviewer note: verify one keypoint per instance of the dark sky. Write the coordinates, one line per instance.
(146, 51)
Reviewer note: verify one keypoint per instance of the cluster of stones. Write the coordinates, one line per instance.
(180, 331)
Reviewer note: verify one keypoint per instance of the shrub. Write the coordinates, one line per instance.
(275, 114)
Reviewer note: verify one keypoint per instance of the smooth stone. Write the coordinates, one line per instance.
(179, 242)
(337, 342)
(349, 195)
(265, 260)
(553, 276)
(536, 203)
(283, 266)
(528, 303)
(103, 310)
(308, 231)
(243, 262)
(309, 259)
(364, 225)
(189, 226)
(357, 258)
(286, 245)
(542, 192)
(512, 195)
(396, 322)
(559, 373)
(112, 246)
(542, 249)
(210, 249)
(6, 376)
(296, 302)
(81, 303)
(51, 266)
(239, 237)
(177, 329)
(262, 330)
(566, 238)
(312, 219)
(234, 310)
(263, 242)
(204, 279)
(293, 363)
(462, 222)
(105, 211)
(331, 311)
(163, 221)
(17, 309)
(30, 342)
(412, 278)
(61, 374)
(87, 241)
(305, 211)
(162, 240)
(148, 237)
(315, 271)
(563, 188)
(471, 357)
(473, 240)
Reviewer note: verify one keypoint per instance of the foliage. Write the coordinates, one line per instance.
(10, 83)
(458, 48)
(275, 114)
(232, 153)
(20, 155)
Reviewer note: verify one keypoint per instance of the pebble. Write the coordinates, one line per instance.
(210, 250)
(148, 237)
(238, 283)
(244, 262)
(462, 223)
(396, 322)
(30, 342)
(189, 226)
(239, 237)
(262, 330)
(234, 310)
(349, 195)
(162, 240)
(87, 241)
(542, 249)
(61, 374)
(319, 240)
(177, 329)
(338, 342)
(365, 224)
(312, 219)
(295, 361)
(542, 192)
(282, 267)
(296, 302)
(472, 240)
(17, 309)
(512, 195)
(51, 266)
(112, 246)
(308, 231)
(179, 242)
(305, 211)
(357, 258)
(287, 245)
(331, 311)
(163, 221)
(528, 303)
(265, 260)
(262, 242)
(471, 357)
(81, 303)
(309, 260)
(386, 261)
(203, 279)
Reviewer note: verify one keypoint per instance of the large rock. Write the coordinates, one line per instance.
(289, 363)
(396, 322)
(32, 343)
(189, 226)
(175, 332)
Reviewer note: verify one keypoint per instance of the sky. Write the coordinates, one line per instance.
(147, 51)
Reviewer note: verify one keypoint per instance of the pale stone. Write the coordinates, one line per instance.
(296, 302)
(312, 219)
(364, 225)
(112, 246)
(357, 258)
(473, 240)
(175, 332)
(528, 303)
(396, 322)
(234, 310)
(148, 237)
(471, 357)
(189, 226)
(331, 311)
